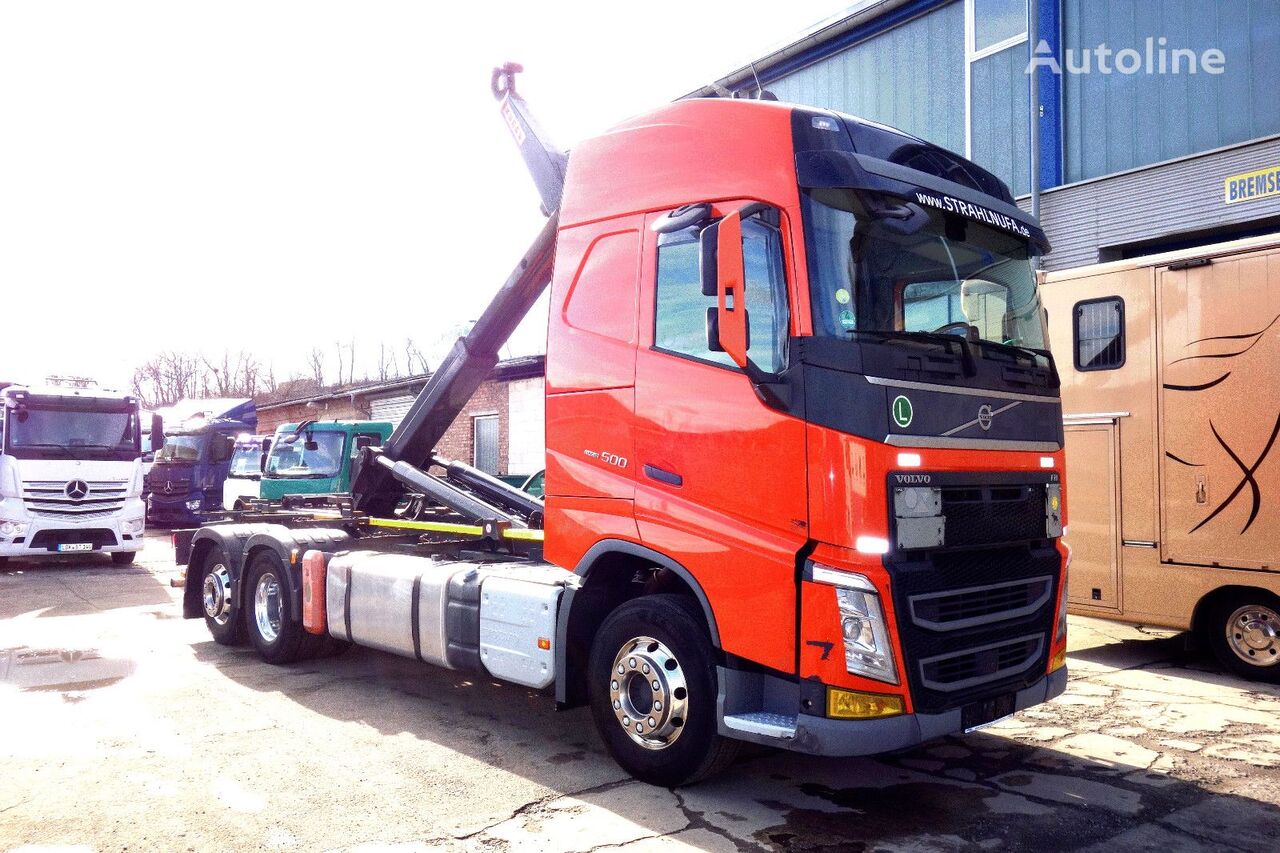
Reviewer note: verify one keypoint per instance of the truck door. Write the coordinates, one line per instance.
(720, 477)
(1221, 410)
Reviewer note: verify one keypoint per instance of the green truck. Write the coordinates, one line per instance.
(314, 457)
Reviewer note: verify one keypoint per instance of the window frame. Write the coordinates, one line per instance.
(972, 54)
(1075, 334)
(497, 437)
(674, 238)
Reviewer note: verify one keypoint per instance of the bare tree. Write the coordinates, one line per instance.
(315, 361)
(414, 361)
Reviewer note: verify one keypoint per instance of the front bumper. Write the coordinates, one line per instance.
(173, 513)
(824, 736)
(844, 738)
(104, 535)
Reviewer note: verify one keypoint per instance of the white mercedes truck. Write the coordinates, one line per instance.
(70, 472)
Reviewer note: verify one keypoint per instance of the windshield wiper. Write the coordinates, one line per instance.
(1034, 355)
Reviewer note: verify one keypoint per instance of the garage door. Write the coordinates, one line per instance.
(390, 408)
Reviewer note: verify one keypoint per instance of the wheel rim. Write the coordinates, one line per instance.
(217, 594)
(648, 692)
(266, 607)
(1253, 634)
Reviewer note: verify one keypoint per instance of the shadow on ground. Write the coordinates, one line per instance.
(981, 792)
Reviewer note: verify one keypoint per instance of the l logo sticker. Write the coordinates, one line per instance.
(902, 412)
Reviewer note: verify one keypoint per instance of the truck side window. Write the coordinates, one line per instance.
(1098, 332)
(680, 318)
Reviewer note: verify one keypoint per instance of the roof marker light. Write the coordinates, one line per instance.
(1046, 461)
(909, 460)
(825, 123)
(871, 545)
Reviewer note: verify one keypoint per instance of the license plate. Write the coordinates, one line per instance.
(76, 546)
(979, 715)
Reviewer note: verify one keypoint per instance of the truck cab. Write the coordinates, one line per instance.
(244, 473)
(315, 457)
(186, 481)
(70, 472)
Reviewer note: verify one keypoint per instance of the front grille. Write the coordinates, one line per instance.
(949, 620)
(991, 514)
(50, 498)
(51, 539)
(979, 605)
(981, 665)
(170, 488)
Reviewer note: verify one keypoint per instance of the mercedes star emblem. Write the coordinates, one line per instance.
(77, 490)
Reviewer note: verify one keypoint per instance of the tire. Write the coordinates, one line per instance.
(1243, 631)
(666, 634)
(278, 637)
(220, 598)
(124, 558)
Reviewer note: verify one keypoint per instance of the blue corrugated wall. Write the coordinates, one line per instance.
(911, 77)
(1114, 122)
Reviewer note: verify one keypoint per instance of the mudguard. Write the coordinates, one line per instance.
(289, 545)
(233, 538)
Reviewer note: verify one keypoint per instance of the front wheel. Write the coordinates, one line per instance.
(1243, 630)
(653, 692)
(124, 558)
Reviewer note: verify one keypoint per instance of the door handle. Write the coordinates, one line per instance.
(653, 472)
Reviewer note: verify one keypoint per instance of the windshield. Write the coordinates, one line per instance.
(295, 460)
(246, 461)
(181, 448)
(71, 431)
(949, 275)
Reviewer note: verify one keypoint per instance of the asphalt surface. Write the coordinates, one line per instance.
(123, 726)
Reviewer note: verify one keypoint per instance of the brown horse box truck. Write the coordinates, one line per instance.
(1171, 406)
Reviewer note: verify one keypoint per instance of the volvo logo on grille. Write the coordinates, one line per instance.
(77, 490)
(984, 417)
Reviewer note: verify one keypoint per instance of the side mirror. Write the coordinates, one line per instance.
(266, 446)
(311, 446)
(262, 463)
(730, 286)
(157, 432)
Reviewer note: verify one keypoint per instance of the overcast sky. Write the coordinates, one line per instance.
(274, 176)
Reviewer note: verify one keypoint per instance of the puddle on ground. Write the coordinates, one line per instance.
(61, 669)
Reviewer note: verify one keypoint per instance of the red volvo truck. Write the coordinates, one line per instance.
(804, 456)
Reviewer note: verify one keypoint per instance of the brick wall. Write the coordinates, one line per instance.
(491, 398)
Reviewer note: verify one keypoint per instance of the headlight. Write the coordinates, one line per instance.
(134, 525)
(10, 529)
(194, 505)
(866, 641)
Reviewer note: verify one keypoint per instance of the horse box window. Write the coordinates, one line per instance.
(1098, 331)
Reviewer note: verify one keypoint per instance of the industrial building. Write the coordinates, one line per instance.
(1157, 125)
(501, 430)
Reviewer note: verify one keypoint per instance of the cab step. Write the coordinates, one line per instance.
(780, 726)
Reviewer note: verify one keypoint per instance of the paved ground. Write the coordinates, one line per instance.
(124, 726)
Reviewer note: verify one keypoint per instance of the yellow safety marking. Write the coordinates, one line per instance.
(431, 526)
(523, 533)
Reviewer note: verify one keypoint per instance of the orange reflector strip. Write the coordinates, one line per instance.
(544, 644)
(1059, 661)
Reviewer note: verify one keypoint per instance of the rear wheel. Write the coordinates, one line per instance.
(278, 637)
(1243, 630)
(124, 558)
(653, 692)
(219, 596)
